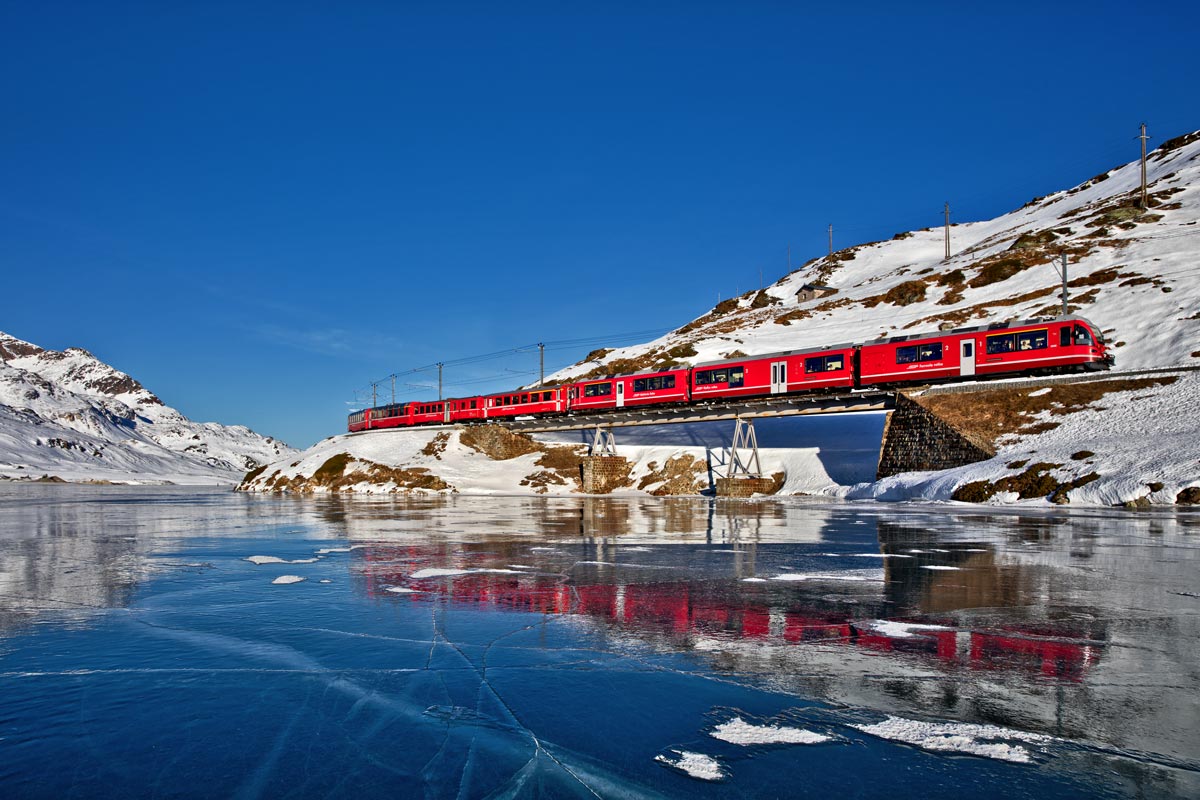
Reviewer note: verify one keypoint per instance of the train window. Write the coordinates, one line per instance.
(641, 384)
(823, 364)
(1064, 336)
(1001, 343)
(712, 376)
(597, 389)
(1082, 336)
(473, 403)
(1032, 340)
(924, 352)
(736, 376)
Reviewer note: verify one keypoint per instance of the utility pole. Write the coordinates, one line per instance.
(947, 231)
(831, 239)
(393, 390)
(1144, 137)
(439, 366)
(760, 279)
(541, 363)
(374, 386)
(1062, 270)
(1064, 277)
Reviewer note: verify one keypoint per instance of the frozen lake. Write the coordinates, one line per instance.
(197, 643)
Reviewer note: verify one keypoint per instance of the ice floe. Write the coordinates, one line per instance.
(437, 572)
(739, 731)
(988, 741)
(696, 765)
(901, 630)
(283, 580)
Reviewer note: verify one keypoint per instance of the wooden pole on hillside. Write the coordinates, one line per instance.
(1066, 310)
(1144, 137)
(947, 231)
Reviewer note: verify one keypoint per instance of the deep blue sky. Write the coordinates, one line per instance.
(257, 208)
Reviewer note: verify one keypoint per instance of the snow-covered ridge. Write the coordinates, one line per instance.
(1132, 271)
(68, 414)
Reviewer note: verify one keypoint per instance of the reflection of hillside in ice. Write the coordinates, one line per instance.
(78, 549)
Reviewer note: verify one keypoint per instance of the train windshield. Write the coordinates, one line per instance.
(1083, 336)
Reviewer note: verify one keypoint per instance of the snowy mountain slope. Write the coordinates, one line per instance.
(1133, 272)
(71, 415)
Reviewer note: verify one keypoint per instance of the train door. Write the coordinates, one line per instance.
(445, 412)
(620, 393)
(779, 380)
(966, 357)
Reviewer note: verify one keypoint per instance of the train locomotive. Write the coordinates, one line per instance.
(1029, 347)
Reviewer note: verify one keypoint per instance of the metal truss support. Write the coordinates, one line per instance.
(603, 442)
(743, 454)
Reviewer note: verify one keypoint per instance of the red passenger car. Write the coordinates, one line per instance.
(778, 373)
(524, 402)
(1026, 346)
(624, 391)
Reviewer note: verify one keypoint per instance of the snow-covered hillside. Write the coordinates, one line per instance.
(69, 415)
(1133, 271)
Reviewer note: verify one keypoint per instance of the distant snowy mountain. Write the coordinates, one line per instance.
(1133, 271)
(68, 414)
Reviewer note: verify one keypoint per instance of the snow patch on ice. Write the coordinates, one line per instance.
(857, 575)
(988, 741)
(277, 560)
(738, 731)
(435, 572)
(401, 590)
(284, 580)
(902, 630)
(696, 765)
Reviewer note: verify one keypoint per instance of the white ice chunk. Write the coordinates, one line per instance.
(435, 572)
(697, 765)
(989, 741)
(283, 580)
(902, 630)
(738, 731)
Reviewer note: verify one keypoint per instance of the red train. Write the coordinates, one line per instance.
(1007, 348)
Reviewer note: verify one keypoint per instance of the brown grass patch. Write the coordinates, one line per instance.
(497, 442)
(680, 475)
(990, 414)
(981, 310)
(436, 445)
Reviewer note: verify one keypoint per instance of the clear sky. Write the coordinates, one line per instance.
(258, 208)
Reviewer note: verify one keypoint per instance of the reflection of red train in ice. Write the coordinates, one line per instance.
(683, 609)
(1031, 346)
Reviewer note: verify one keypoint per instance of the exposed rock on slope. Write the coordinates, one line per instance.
(69, 414)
